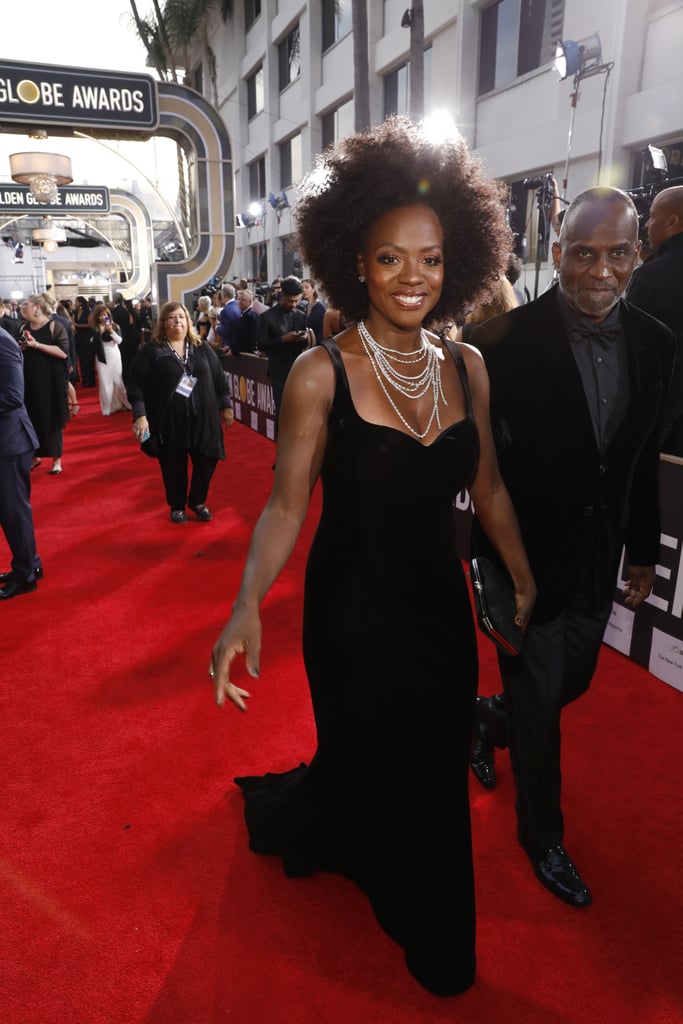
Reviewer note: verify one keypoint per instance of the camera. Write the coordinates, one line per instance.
(538, 182)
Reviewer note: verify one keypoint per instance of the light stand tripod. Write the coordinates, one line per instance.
(543, 203)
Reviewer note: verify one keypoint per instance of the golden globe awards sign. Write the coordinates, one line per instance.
(43, 95)
(83, 199)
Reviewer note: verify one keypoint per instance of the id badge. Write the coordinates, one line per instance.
(185, 385)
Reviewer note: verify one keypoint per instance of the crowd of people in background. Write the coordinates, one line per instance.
(92, 342)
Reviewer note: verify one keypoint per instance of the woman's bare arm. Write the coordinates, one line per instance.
(490, 496)
(301, 444)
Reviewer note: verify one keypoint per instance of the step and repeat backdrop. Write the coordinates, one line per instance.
(252, 394)
(653, 634)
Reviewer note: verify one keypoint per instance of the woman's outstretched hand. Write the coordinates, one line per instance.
(241, 635)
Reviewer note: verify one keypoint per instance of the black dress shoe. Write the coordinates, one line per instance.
(555, 870)
(201, 512)
(482, 756)
(178, 516)
(13, 589)
(5, 576)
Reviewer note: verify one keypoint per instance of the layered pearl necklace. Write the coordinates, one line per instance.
(410, 386)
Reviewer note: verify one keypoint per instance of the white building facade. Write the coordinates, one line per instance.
(283, 79)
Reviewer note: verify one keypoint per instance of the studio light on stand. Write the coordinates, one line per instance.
(581, 59)
(42, 172)
(251, 218)
(279, 203)
(543, 184)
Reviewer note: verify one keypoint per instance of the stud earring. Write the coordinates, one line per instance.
(361, 279)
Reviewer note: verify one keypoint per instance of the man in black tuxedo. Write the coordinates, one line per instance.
(282, 336)
(18, 442)
(656, 288)
(578, 378)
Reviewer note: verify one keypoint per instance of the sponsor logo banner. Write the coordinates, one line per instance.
(666, 658)
(620, 628)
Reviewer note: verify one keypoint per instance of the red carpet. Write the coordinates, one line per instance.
(127, 892)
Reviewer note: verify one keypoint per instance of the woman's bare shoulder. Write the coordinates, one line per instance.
(474, 360)
(312, 371)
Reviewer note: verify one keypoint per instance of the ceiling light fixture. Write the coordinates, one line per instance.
(42, 172)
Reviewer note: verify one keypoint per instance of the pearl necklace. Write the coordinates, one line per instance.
(429, 379)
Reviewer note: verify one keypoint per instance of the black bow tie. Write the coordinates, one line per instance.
(606, 335)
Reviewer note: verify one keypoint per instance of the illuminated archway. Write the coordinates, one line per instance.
(64, 100)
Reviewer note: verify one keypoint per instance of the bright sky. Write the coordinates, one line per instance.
(80, 33)
(83, 34)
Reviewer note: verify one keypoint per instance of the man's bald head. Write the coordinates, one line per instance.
(666, 215)
(595, 205)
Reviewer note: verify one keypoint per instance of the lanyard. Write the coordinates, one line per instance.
(183, 362)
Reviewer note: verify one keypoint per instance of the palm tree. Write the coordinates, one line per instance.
(361, 65)
(417, 44)
(172, 32)
(169, 34)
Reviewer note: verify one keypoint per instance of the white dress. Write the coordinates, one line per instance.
(113, 396)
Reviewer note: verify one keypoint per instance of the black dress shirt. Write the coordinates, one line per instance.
(602, 360)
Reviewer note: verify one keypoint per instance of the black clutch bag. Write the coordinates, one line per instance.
(494, 602)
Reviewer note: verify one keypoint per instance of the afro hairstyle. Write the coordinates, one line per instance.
(398, 163)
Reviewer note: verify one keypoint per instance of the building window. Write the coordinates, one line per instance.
(336, 21)
(259, 261)
(291, 258)
(397, 87)
(198, 79)
(255, 93)
(257, 180)
(291, 164)
(397, 91)
(428, 103)
(288, 58)
(517, 36)
(252, 9)
(338, 124)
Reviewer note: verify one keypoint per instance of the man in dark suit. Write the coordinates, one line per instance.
(282, 336)
(7, 322)
(578, 378)
(656, 288)
(245, 330)
(228, 318)
(18, 442)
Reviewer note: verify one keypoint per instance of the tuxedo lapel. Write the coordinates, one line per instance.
(557, 367)
(645, 386)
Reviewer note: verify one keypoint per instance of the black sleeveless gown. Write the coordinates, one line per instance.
(390, 653)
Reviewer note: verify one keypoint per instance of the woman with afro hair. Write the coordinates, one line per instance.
(403, 233)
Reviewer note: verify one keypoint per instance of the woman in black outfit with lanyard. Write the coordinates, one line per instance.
(179, 393)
